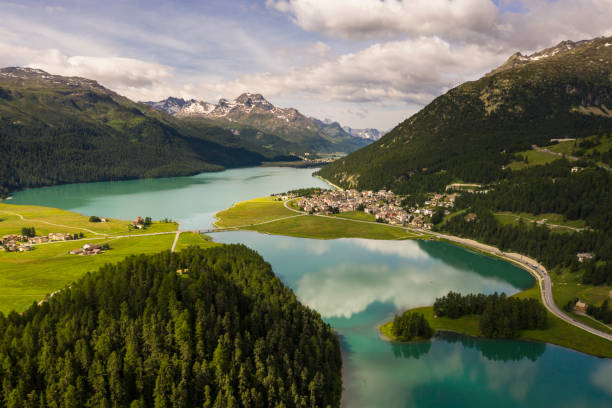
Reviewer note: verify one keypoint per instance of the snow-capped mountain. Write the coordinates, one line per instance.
(171, 105)
(254, 111)
(367, 133)
(245, 104)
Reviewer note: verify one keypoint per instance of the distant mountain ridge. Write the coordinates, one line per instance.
(367, 133)
(56, 129)
(254, 111)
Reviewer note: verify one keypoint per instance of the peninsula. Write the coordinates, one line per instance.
(282, 215)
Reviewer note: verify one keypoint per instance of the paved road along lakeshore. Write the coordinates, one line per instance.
(531, 265)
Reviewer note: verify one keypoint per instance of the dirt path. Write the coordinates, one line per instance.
(56, 225)
(567, 156)
(545, 223)
(176, 238)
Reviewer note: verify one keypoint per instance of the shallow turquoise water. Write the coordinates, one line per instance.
(356, 284)
(193, 201)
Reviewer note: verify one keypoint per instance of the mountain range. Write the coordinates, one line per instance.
(472, 132)
(56, 129)
(252, 111)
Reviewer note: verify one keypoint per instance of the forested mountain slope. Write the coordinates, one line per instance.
(199, 328)
(472, 131)
(56, 129)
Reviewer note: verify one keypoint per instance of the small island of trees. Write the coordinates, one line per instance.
(500, 316)
(411, 326)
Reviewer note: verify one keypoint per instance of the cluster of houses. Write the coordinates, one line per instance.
(386, 206)
(88, 249)
(141, 223)
(23, 243)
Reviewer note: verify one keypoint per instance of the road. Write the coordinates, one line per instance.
(568, 157)
(545, 223)
(50, 223)
(539, 272)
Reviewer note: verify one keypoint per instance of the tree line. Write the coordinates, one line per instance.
(551, 188)
(553, 249)
(500, 316)
(205, 328)
(602, 313)
(411, 325)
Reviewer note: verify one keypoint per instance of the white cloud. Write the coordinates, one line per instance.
(319, 49)
(127, 76)
(359, 19)
(601, 377)
(412, 70)
(348, 288)
(532, 24)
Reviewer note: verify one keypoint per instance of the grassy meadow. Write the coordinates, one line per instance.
(27, 277)
(558, 331)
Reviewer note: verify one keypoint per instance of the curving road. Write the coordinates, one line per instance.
(530, 265)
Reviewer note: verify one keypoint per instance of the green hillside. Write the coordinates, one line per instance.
(501, 131)
(473, 130)
(56, 129)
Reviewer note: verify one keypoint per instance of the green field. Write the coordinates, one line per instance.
(534, 158)
(357, 215)
(259, 215)
(47, 220)
(566, 335)
(558, 331)
(29, 277)
(550, 219)
(466, 325)
(567, 286)
(252, 212)
(572, 146)
(187, 239)
(312, 226)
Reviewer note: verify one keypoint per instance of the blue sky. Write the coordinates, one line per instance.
(365, 63)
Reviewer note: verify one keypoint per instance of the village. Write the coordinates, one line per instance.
(384, 205)
(25, 241)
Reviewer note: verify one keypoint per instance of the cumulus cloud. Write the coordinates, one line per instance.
(128, 76)
(412, 70)
(115, 71)
(360, 19)
(518, 24)
(348, 288)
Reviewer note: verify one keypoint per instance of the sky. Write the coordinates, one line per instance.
(364, 63)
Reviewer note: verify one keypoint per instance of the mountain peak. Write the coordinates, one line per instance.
(253, 109)
(518, 60)
(26, 74)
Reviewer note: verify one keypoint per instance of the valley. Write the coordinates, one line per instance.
(240, 253)
(191, 202)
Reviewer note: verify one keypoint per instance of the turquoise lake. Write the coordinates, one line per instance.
(356, 284)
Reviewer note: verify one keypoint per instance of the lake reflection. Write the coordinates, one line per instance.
(345, 277)
(356, 284)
